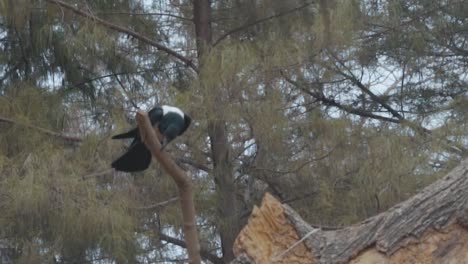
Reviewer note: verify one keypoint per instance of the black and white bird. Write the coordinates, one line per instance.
(171, 122)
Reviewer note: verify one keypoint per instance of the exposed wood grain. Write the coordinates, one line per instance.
(431, 227)
(268, 234)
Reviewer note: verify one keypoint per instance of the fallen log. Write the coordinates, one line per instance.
(430, 227)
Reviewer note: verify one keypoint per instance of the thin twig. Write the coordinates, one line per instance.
(278, 257)
(145, 14)
(159, 205)
(126, 93)
(97, 174)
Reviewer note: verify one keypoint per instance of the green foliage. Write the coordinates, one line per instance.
(53, 205)
(287, 85)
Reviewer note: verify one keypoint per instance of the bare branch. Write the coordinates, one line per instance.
(97, 174)
(182, 180)
(203, 252)
(193, 164)
(160, 205)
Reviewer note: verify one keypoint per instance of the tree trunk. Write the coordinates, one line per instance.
(228, 224)
(431, 227)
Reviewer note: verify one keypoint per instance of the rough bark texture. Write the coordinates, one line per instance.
(431, 227)
(228, 223)
(182, 180)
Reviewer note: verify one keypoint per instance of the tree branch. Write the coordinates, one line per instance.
(127, 31)
(43, 130)
(350, 76)
(110, 75)
(193, 164)
(331, 102)
(159, 205)
(235, 30)
(203, 252)
(373, 96)
(97, 174)
(145, 14)
(182, 180)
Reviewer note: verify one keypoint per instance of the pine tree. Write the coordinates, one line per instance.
(339, 108)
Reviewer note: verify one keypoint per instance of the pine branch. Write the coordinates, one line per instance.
(361, 112)
(146, 14)
(43, 130)
(332, 102)
(245, 26)
(373, 96)
(127, 31)
(114, 74)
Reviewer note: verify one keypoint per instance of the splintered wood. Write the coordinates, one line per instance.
(430, 227)
(269, 236)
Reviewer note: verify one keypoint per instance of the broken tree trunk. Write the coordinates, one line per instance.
(431, 227)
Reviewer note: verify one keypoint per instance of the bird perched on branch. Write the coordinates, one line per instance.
(171, 122)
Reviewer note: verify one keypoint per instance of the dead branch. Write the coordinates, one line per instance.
(205, 253)
(182, 180)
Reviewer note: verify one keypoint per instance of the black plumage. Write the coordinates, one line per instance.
(171, 122)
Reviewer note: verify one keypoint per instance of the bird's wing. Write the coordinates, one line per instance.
(187, 121)
(137, 158)
(130, 134)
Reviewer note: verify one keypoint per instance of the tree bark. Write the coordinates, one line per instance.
(182, 180)
(228, 223)
(431, 227)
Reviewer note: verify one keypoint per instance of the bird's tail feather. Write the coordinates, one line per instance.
(137, 158)
(130, 134)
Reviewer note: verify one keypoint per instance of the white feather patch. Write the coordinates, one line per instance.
(171, 109)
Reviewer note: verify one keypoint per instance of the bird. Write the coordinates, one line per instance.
(171, 123)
